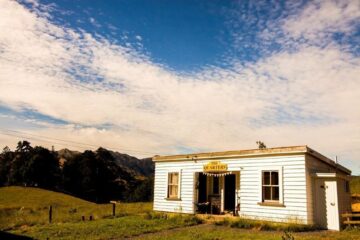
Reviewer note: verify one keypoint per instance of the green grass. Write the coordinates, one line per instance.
(355, 185)
(214, 232)
(107, 228)
(265, 225)
(21, 207)
(24, 211)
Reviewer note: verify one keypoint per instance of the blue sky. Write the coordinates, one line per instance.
(165, 77)
(183, 35)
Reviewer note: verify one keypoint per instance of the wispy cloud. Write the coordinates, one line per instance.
(289, 96)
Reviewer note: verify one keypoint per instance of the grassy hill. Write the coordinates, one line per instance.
(20, 206)
(24, 211)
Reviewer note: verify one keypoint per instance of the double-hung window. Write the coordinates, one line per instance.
(173, 185)
(270, 186)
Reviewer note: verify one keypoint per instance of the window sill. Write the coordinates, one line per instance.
(271, 204)
(173, 199)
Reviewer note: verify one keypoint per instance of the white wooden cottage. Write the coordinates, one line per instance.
(288, 184)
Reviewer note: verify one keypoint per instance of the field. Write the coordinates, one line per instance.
(24, 211)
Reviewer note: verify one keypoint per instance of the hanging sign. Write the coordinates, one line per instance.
(215, 167)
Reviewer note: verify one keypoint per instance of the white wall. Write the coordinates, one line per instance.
(294, 186)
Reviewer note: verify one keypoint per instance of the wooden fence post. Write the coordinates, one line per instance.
(50, 214)
(113, 207)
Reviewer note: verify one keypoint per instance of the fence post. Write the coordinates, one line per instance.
(113, 207)
(50, 214)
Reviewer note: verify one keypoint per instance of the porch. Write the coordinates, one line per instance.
(217, 193)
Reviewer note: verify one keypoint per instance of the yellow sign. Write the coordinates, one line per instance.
(215, 166)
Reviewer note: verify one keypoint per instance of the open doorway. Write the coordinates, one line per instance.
(202, 193)
(229, 193)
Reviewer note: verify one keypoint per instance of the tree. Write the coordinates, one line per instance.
(261, 145)
(143, 192)
(96, 177)
(42, 168)
(18, 164)
(23, 147)
(5, 162)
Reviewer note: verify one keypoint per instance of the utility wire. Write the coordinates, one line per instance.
(26, 135)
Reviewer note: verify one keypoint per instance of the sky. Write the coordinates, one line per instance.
(166, 77)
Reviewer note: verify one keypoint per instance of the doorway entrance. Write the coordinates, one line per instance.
(202, 193)
(229, 193)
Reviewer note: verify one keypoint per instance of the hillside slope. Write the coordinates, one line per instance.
(27, 197)
(30, 206)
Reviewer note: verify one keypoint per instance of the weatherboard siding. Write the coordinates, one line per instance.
(294, 186)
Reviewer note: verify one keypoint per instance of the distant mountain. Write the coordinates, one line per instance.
(143, 167)
(137, 167)
(66, 154)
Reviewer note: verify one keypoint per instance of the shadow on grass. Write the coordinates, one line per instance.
(10, 236)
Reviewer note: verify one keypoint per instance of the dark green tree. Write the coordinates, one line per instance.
(95, 176)
(18, 164)
(5, 162)
(42, 169)
(143, 192)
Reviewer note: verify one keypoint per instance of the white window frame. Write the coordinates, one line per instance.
(179, 185)
(279, 169)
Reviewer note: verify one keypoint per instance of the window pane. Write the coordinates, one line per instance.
(174, 178)
(275, 193)
(274, 178)
(267, 193)
(174, 191)
(171, 191)
(266, 178)
(170, 178)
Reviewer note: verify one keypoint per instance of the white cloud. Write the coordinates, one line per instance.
(308, 96)
(322, 18)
